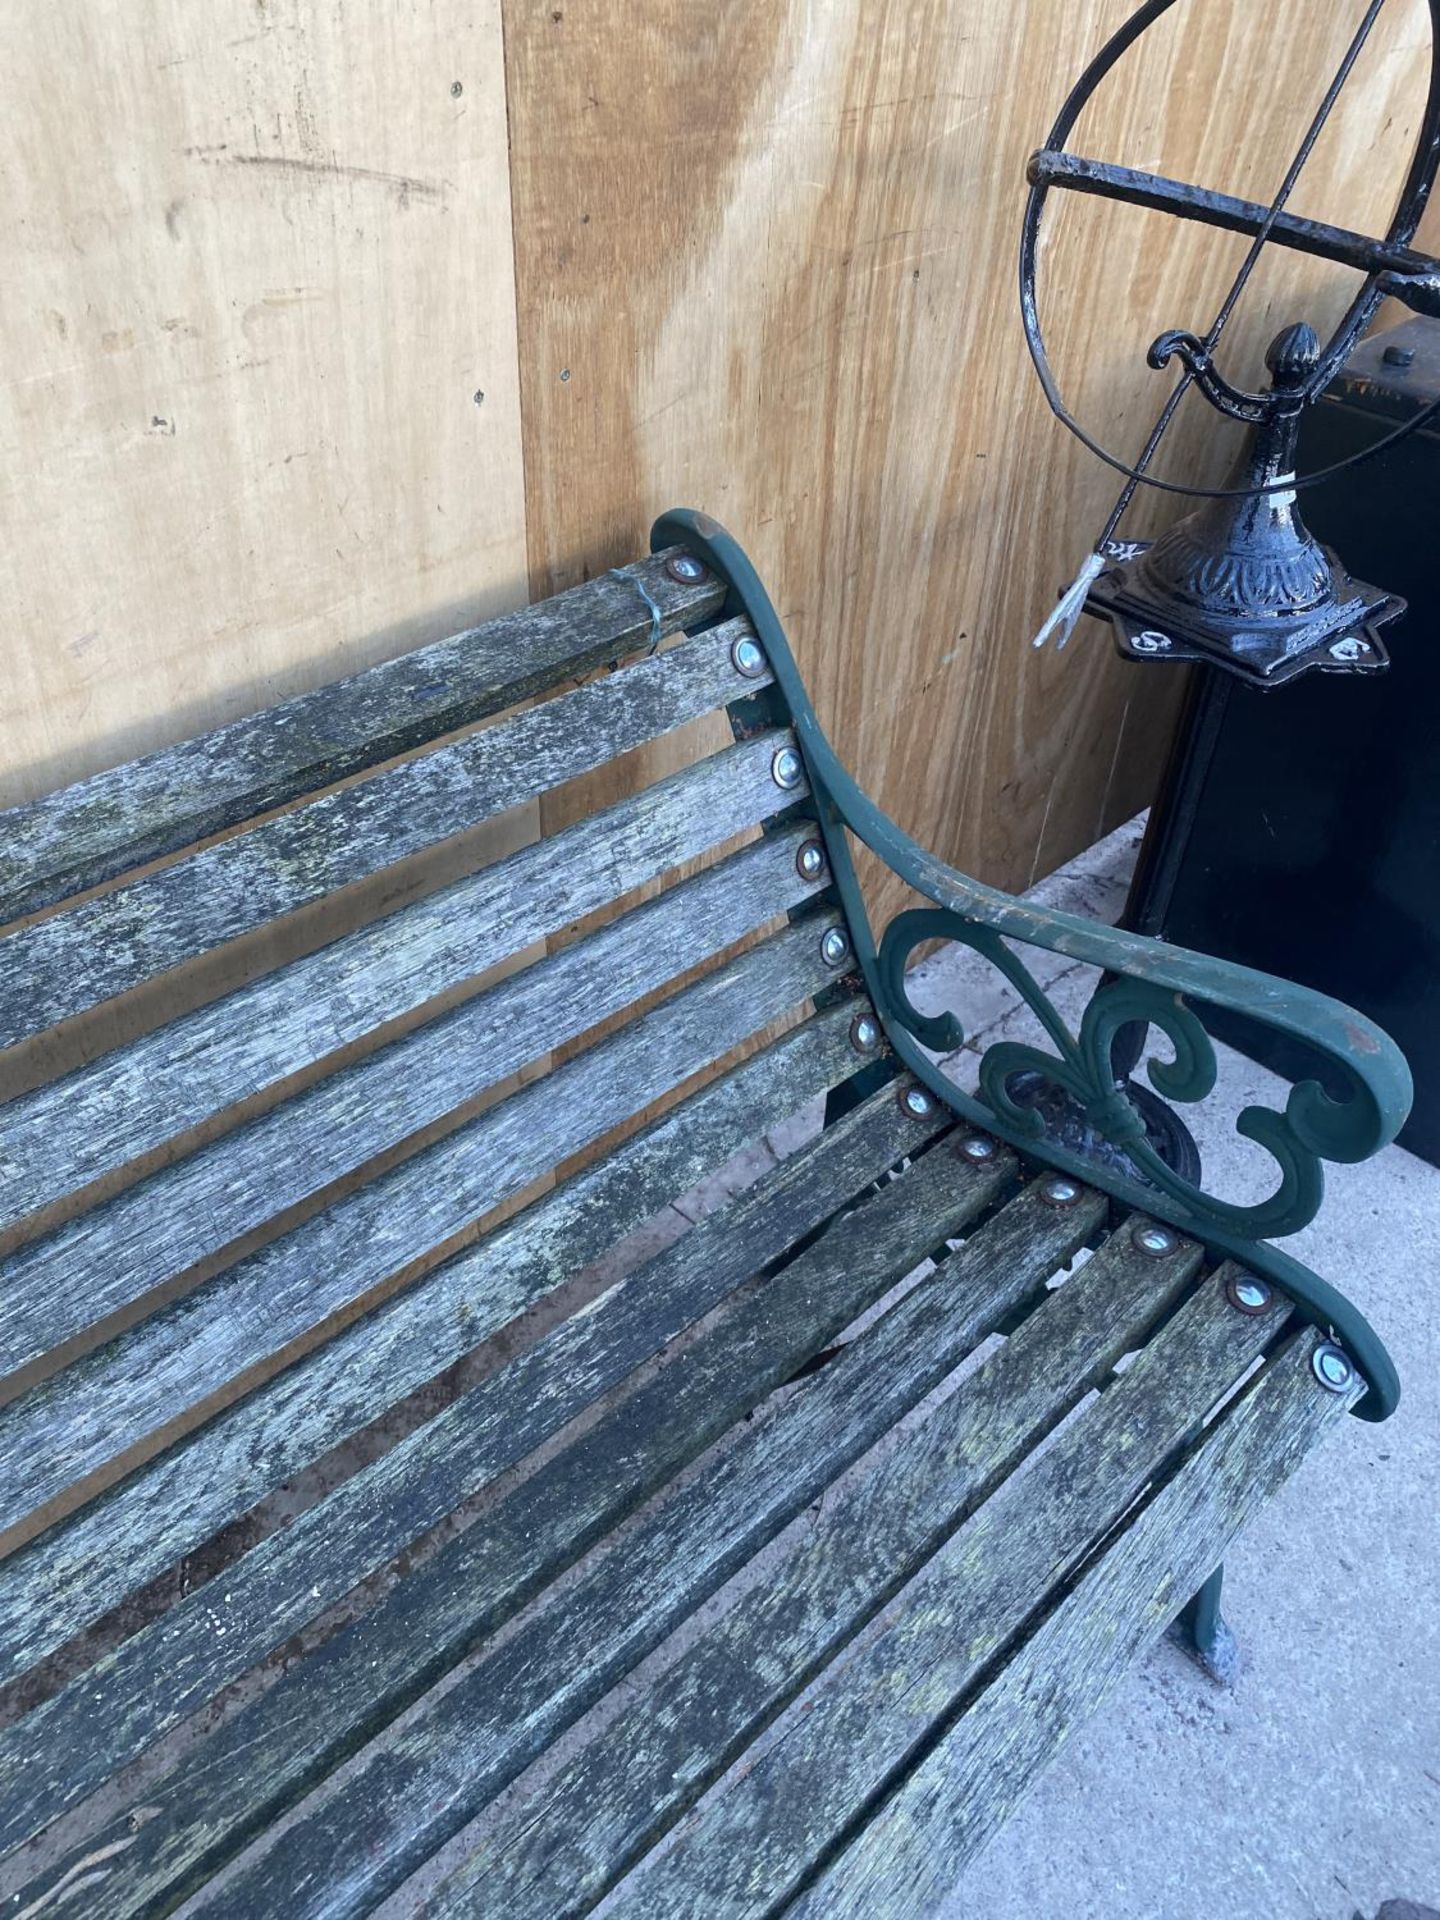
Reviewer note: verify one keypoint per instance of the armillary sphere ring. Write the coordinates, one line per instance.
(1391, 266)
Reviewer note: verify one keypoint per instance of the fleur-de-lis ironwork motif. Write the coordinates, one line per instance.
(1313, 1127)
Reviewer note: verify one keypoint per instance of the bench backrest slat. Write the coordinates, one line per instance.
(71, 1133)
(153, 1232)
(86, 834)
(111, 943)
(165, 1370)
(81, 1569)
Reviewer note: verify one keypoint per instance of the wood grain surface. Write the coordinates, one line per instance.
(261, 269)
(257, 270)
(766, 265)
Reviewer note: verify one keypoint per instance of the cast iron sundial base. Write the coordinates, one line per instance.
(1341, 636)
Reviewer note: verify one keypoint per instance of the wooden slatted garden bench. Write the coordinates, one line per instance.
(373, 1526)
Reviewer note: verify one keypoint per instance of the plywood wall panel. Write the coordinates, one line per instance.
(259, 268)
(258, 271)
(765, 265)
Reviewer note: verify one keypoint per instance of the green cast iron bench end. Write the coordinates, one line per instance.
(526, 1386)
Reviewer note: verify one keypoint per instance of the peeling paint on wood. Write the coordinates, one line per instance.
(749, 1849)
(166, 1368)
(71, 1133)
(194, 1209)
(112, 942)
(173, 1667)
(558, 1855)
(72, 1575)
(219, 1794)
(419, 1782)
(86, 834)
(938, 1817)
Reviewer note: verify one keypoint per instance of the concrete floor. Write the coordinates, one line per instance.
(1310, 1790)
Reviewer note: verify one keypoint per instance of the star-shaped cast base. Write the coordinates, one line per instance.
(1338, 635)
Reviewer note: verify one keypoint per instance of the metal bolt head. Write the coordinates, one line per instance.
(864, 1033)
(1399, 356)
(1332, 1367)
(1150, 1237)
(835, 947)
(1060, 1190)
(978, 1148)
(748, 657)
(1247, 1294)
(685, 568)
(787, 769)
(917, 1103)
(810, 860)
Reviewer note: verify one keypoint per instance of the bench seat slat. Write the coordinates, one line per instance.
(178, 1217)
(747, 1850)
(72, 1575)
(621, 1792)
(957, 1795)
(168, 1366)
(424, 1778)
(112, 942)
(72, 1133)
(175, 1666)
(88, 833)
(205, 1808)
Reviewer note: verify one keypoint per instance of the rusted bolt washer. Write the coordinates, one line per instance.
(865, 1033)
(810, 860)
(1059, 1190)
(1246, 1294)
(835, 947)
(1153, 1239)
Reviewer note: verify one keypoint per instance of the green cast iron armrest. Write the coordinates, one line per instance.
(1152, 983)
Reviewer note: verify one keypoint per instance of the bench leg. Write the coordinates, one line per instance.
(1202, 1631)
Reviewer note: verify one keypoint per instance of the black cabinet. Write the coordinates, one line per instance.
(1301, 832)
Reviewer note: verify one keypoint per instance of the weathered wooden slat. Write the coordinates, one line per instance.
(90, 832)
(194, 1209)
(63, 1137)
(156, 1373)
(748, 1849)
(218, 1794)
(105, 945)
(557, 1856)
(421, 1780)
(74, 1574)
(168, 1670)
(960, 1793)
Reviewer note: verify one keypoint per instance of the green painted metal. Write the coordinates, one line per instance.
(1152, 982)
(1204, 1632)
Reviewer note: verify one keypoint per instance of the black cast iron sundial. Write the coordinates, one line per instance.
(1240, 582)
